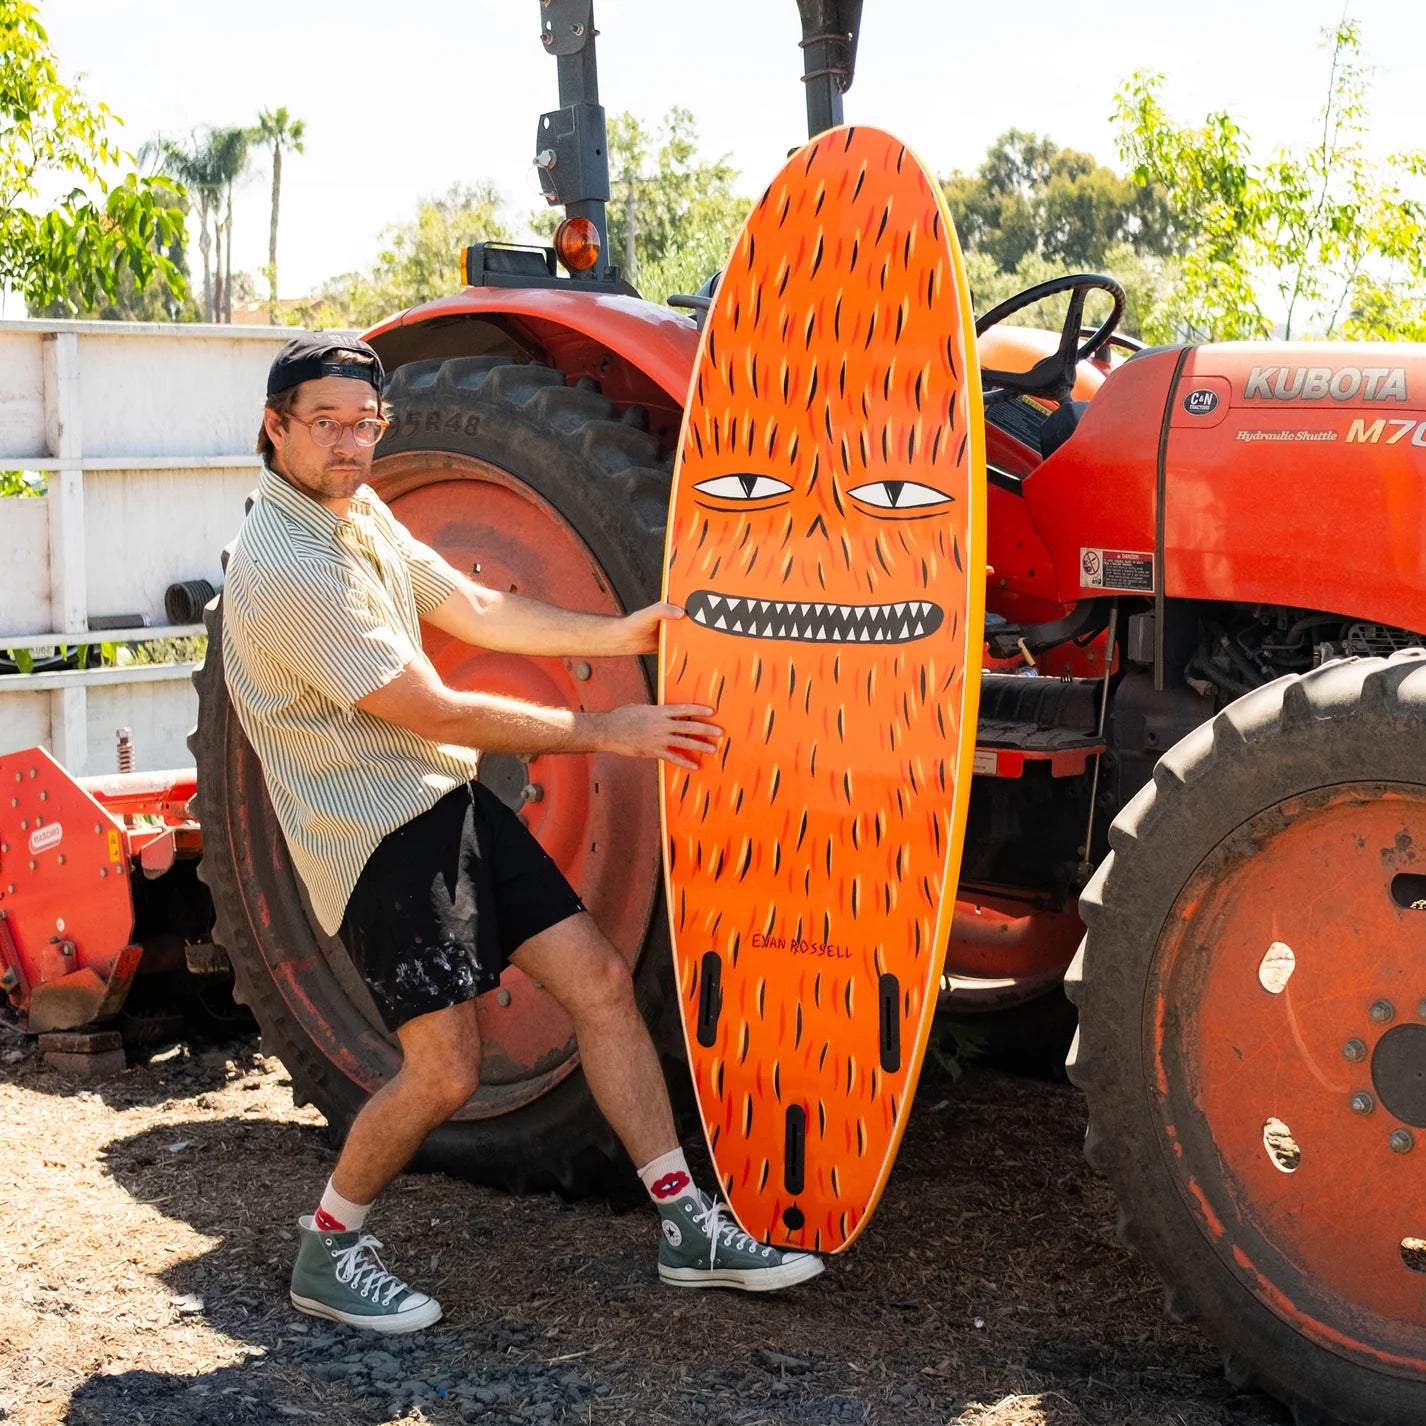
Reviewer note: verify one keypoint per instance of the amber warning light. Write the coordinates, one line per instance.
(577, 244)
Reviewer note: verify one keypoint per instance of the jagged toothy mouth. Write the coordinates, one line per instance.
(808, 623)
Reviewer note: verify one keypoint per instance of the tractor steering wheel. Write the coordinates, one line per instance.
(1052, 377)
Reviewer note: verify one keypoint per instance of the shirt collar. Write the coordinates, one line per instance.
(308, 512)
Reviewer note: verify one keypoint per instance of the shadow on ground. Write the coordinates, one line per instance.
(989, 1289)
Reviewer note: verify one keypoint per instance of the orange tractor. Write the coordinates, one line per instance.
(1210, 555)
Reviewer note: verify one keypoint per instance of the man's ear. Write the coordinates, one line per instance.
(272, 423)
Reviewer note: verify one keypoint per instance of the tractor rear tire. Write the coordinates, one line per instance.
(586, 489)
(1252, 1040)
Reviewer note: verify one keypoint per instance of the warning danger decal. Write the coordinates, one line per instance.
(1129, 570)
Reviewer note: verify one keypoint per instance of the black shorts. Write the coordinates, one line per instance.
(445, 900)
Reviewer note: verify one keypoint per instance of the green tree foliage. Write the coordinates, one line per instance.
(132, 301)
(419, 260)
(278, 131)
(50, 134)
(1337, 237)
(21, 482)
(191, 163)
(679, 209)
(1031, 198)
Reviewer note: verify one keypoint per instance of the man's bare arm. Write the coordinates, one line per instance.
(510, 623)
(417, 699)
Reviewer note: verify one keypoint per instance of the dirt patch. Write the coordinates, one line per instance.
(146, 1232)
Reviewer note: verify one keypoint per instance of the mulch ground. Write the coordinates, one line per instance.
(146, 1235)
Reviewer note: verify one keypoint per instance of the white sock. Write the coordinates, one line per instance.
(667, 1178)
(337, 1214)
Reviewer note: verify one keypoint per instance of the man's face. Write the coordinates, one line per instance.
(329, 474)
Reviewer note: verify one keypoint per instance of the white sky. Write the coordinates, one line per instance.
(402, 101)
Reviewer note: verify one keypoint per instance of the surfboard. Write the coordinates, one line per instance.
(826, 541)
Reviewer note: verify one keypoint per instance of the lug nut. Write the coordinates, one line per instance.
(502, 997)
(1381, 1012)
(1354, 1049)
(582, 671)
(532, 792)
(1402, 1141)
(1362, 1103)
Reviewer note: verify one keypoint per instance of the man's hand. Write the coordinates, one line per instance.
(641, 628)
(676, 732)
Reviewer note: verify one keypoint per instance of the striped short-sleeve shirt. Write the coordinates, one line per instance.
(319, 611)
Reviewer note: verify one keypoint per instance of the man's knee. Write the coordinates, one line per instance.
(609, 983)
(441, 1057)
(444, 1085)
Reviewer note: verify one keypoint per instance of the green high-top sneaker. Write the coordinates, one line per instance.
(702, 1246)
(338, 1275)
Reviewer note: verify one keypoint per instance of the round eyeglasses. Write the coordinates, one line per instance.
(327, 432)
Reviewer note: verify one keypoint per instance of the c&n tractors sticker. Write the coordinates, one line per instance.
(1131, 571)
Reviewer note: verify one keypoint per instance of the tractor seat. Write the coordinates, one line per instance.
(1059, 426)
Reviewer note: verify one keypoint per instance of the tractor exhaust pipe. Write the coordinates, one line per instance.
(571, 145)
(829, 55)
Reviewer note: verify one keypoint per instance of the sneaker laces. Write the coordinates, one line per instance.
(719, 1228)
(359, 1267)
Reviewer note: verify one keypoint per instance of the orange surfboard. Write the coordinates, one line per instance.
(826, 539)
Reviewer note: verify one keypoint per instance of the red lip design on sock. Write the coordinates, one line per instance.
(324, 1221)
(670, 1185)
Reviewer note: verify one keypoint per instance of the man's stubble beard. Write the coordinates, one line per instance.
(327, 481)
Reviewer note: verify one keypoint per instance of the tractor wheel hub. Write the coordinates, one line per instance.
(1399, 1073)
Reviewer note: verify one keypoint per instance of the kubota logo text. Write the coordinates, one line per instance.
(1313, 383)
(1393, 431)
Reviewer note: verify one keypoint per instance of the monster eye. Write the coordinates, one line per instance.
(743, 487)
(898, 494)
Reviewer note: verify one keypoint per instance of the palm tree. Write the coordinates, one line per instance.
(192, 164)
(227, 151)
(278, 131)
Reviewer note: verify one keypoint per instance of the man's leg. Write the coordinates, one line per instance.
(702, 1245)
(338, 1274)
(440, 1069)
(579, 967)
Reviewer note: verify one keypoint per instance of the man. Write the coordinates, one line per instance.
(432, 883)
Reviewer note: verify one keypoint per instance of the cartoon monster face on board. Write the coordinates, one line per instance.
(827, 446)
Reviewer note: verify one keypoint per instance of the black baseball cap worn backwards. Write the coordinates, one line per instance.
(309, 356)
